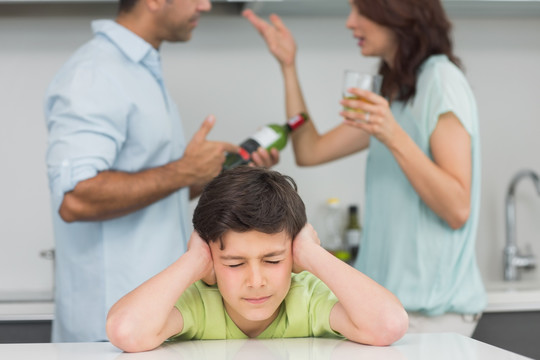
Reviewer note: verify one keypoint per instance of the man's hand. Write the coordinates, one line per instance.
(200, 248)
(306, 239)
(264, 158)
(203, 159)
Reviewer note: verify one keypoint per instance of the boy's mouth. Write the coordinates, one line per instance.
(257, 300)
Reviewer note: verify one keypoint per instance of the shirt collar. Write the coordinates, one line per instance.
(132, 45)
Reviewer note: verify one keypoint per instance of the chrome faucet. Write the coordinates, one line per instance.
(514, 260)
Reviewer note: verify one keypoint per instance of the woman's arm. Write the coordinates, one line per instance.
(144, 318)
(366, 312)
(310, 147)
(443, 183)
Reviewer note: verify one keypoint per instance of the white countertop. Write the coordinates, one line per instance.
(412, 346)
(502, 297)
(26, 311)
(26, 305)
(513, 296)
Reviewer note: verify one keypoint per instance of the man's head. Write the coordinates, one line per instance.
(162, 20)
(250, 216)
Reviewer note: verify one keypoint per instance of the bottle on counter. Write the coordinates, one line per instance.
(353, 232)
(268, 137)
(334, 241)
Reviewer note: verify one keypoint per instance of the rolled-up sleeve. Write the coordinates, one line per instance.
(87, 127)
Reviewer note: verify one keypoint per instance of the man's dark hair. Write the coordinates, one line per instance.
(249, 198)
(126, 5)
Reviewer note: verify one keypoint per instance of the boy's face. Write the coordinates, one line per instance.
(253, 273)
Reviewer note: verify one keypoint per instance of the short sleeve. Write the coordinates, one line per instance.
(442, 88)
(202, 309)
(321, 304)
(190, 305)
(310, 302)
(86, 119)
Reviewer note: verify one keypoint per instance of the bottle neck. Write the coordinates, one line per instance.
(296, 121)
(353, 218)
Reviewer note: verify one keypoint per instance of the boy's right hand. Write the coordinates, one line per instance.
(201, 250)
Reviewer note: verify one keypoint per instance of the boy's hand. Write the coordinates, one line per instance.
(201, 250)
(306, 239)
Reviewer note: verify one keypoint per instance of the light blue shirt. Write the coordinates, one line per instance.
(406, 247)
(108, 109)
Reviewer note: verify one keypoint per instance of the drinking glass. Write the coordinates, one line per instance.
(365, 81)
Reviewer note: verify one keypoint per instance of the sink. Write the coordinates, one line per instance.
(513, 296)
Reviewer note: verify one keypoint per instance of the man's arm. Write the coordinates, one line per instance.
(144, 318)
(366, 312)
(111, 194)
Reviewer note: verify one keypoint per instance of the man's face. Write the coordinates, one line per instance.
(178, 18)
(253, 273)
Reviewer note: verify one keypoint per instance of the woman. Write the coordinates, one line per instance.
(423, 168)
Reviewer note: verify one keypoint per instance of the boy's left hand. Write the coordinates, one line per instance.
(307, 238)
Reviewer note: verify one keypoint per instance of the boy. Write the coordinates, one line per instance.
(235, 279)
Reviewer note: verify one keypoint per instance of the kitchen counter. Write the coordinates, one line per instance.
(411, 346)
(26, 305)
(27, 311)
(513, 296)
(502, 297)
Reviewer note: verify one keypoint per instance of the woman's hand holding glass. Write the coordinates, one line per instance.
(371, 113)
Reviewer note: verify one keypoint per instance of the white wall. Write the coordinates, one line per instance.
(225, 70)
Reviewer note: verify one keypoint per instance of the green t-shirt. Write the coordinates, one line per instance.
(305, 312)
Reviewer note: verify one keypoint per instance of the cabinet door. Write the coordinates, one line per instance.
(35, 331)
(513, 331)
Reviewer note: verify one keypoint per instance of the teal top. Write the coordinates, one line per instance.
(406, 247)
(305, 312)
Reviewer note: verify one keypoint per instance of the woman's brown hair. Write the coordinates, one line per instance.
(421, 28)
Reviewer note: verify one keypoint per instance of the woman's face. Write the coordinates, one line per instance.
(374, 39)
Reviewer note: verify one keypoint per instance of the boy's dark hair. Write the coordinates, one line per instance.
(249, 198)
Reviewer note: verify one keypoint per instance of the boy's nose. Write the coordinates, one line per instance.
(255, 277)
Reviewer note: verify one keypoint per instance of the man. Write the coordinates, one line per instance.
(120, 172)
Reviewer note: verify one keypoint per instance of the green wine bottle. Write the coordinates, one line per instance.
(353, 232)
(268, 137)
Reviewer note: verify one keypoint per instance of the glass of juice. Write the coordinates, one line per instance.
(365, 81)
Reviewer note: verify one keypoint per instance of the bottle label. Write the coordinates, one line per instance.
(266, 137)
(353, 237)
(297, 121)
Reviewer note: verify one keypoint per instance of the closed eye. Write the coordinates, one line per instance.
(234, 265)
(273, 262)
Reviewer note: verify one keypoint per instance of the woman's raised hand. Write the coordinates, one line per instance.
(278, 38)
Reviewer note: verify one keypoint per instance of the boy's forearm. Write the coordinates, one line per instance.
(137, 322)
(366, 302)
